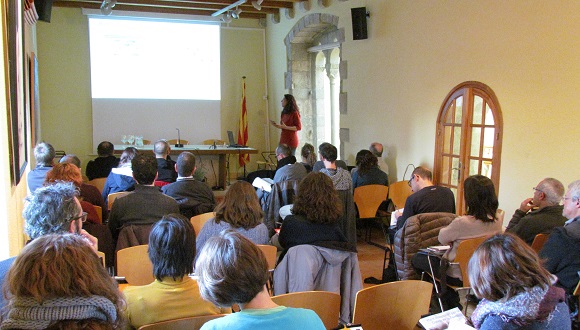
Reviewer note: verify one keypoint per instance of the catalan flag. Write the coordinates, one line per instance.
(243, 129)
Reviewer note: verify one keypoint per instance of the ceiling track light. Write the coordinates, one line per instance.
(257, 4)
(107, 6)
(236, 13)
(233, 5)
(227, 17)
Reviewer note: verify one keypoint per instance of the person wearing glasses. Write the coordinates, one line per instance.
(539, 214)
(426, 197)
(52, 209)
(562, 249)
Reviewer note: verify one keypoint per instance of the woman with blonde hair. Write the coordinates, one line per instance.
(516, 291)
(240, 211)
(58, 282)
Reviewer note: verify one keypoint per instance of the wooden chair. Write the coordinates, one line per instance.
(539, 241)
(465, 250)
(394, 305)
(188, 323)
(325, 304)
(576, 294)
(368, 199)
(211, 141)
(133, 263)
(199, 220)
(174, 142)
(101, 255)
(99, 211)
(271, 254)
(146, 142)
(99, 183)
(111, 197)
(269, 161)
(398, 193)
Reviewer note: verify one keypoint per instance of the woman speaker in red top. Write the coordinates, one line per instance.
(290, 122)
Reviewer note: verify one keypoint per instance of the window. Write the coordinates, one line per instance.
(469, 134)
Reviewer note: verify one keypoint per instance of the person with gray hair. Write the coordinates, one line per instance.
(44, 154)
(288, 168)
(540, 213)
(54, 209)
(165, 166)
(71, 159)
(194, 197)
(561, 251)
(377, 149)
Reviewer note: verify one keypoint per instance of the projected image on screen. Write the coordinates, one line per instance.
(154, 59)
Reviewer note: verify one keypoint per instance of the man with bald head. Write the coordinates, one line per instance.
(540, 213)
(165, 166)
(377, 150)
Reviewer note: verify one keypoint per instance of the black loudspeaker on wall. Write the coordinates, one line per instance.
(44, 9)
(359, 23)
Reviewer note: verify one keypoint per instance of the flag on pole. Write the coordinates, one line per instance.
(243, 129)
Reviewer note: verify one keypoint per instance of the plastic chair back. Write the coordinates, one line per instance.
(465, 250)
(398, 193)
(539, 241)
(325, 304)
(111, 197)
(270, 252)
(394, 305)
(99, 183)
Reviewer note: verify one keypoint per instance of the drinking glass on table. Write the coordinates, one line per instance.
(131, 139)
(124, 139)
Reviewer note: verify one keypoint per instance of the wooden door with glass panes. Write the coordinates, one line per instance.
(468, 142)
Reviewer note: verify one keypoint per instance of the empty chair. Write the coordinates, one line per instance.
(199, 220)
(133, 263)
(395, 305)
(325, 304)
(99, 183)
(539, 241)
(188, 323)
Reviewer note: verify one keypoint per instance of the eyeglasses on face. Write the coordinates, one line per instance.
(536, 189)
(83, 217)
(410, 180)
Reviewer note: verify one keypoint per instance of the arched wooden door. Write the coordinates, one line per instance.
(469, 135)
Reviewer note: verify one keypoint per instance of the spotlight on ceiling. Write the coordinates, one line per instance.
(227, 17)
(236, 13)
(107, 6)
(257, 4)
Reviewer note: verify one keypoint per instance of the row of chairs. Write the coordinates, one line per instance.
(384, 306)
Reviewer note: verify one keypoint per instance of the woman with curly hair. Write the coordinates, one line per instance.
(290, 122)
(315, 215)
(516, 291)
(368, 171)
(58, 282)
(240, 210)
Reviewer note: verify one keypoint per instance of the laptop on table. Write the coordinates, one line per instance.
(233, 143)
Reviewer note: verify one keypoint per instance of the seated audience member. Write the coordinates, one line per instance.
(426, 197)
(377, 150)
(516, 291)
(58, 282)
(101, 166)
(51, 209)
(73, 159)
(233, 270)
(194, 197)
(367, 171)
(121, 177)
(146, 205)
(319, 165)
(561, 251)
(539, 214)
(288, 170)
(239, 211)
(340, 177)
(173, 294)
(314, 218)
(71, 173)
(308, 156)
(480, 220)
(44, 155)
(165, 166)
